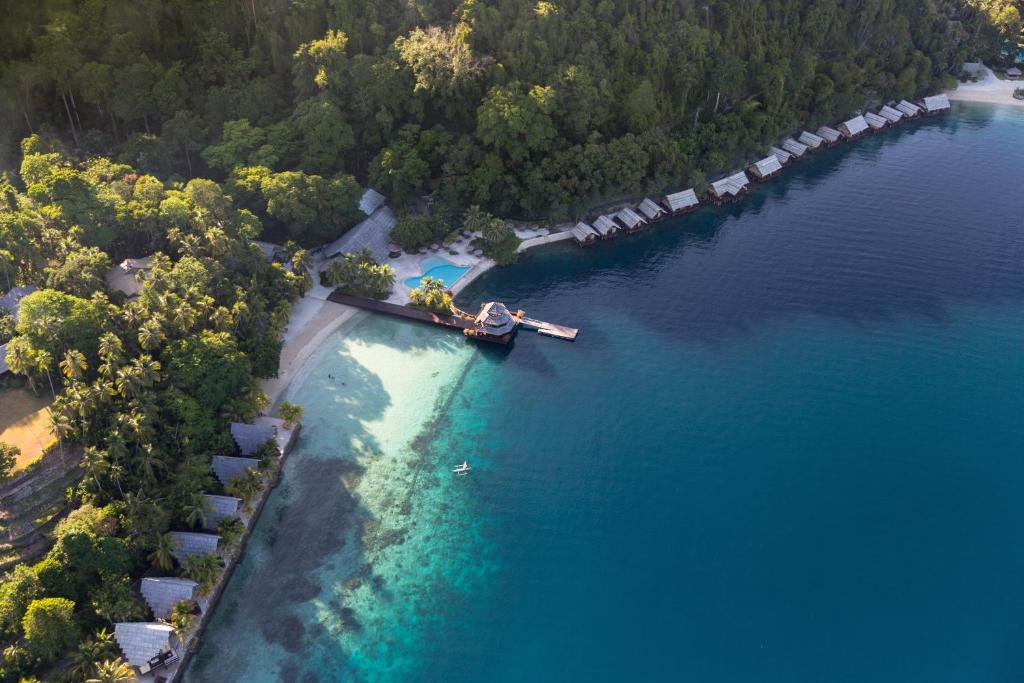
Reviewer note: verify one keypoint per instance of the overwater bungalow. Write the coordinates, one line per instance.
(908, 109)
(681, 202)
(891, 115)
(584, 234)
(162, 593)
(493, 323)
(831, 136)
(766, 168)
(854, 128)
(145, 645)
(127, 276)
(630, 220)
(729, 189)
(650, 209)
(188, 543)
(936, 104)
(606, 227)
(875, 121)
(782, 155)
(811, 141)
(226, 467)
(219, 508)
(793, 147)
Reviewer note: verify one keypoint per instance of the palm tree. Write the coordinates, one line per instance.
(113, 671)
(150, 336)
(20, 361)
(96, 464)
(204, 570)
(43, 360)
(162, 556)
(195, 510)
(91, 652)
(74, 366)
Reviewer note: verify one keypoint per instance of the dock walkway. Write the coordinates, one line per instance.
(400, 311)
(549, 329)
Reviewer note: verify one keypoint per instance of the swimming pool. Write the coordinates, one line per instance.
(440, 269)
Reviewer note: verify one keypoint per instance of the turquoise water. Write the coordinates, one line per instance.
(787, 446)
(440, 269)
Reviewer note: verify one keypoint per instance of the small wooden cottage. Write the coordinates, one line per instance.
(811, 141)
(766, 168)
(875, 121)
(831, 136)
(795, 148)
(606, 227)
(891, 115)
(908, 109)
(782, 155)
(651, 210)
(630, 220)
(854, 128)
(936, 104)
(681, 202)
(584, 234)
(1013, 73)
(729, 189)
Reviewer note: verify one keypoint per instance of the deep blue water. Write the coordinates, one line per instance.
(787, 446)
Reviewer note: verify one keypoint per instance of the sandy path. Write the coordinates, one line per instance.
(25, 423)
(989, 90)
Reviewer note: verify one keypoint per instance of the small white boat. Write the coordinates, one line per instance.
(462, 469)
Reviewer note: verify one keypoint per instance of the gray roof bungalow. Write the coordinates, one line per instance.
(11, 301)
(793, 147)
(650, 209)
(810, 140)
(584, 234)
(127, 276)
(142, 641)
(226, 467)
(875, 121)
(188, 543)
(764, 169)
(371, 201)
(606, 227)
(936, 104)
(730, 188)
(164, 592)
(249, 437)
(3, 359)
(630, 219)
(782, 155)
(830, 135)
(220, 507)
(854, 128)
(908, 109)
(891, 115)
(679, 202)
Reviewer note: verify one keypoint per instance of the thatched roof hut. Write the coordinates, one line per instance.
(810, 140)
(936, 104)
(682, 201)
(793, 147)
(650, 209)
(908, 109)
(854, 128)
(630, 219)
(830, 135)
(584, 234)
(764, 169)
(606, 227)
(891, 115)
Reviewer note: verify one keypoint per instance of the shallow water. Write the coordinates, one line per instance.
(786, 447)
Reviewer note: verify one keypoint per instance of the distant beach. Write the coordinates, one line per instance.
(988, 90)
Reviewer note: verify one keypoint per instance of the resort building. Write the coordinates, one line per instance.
(226, 467)
(793, 147)
(908, 109)
(729, 189)
(830, 135)
(766, 168)
(145, 645)
(251, 437)
(811, 141)
(936, 104)
(188, 543)
(584, 234)
(891, 115)
(372, 234)
(4, 368)
(854, 128)
(371, 201)
(650, 209)
(630, 220)
(494, 323)
(606, 227)
(782, 155)
(680, 202)
(164, 592)
(127, 276)
(219, 508)
(1013, 73)
(875, 121)
(11, 301)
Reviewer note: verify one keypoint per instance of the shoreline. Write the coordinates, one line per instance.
(988, 90)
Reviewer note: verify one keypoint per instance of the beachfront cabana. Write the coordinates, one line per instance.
(650, 209)
(875, 121)
(606, 227)
(11, 301)
(127, 276)
(189, 543)
(250, 437)
(854, 128)
(891, 115)
(730, 188)
(811, 141)
(142, 642)
(936, 104)
(162, 593)
(793, 147)
(630, 219)
(830, 135)
(908, 109)
(584, 234)
(766, 168)
(226, 467)
(782, 155)
(219, 508)
(680, 202)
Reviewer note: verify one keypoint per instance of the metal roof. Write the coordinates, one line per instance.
(782, 155)
(629, 217)
(605, 226)
(188, 543)
(936, 103)
(908, 108)
(733, 184)
(371, 201)
(584, 233)
(250, 437)
(768, 166)
(829, 134)
(682, 200)
(810, 140)
(650, 209)
(11, 301)
(793, 147)
(875, 121)
(3, 359)
(164, 592)
(373, 233)
(854, 126)
(226, 467)
(220, 507)
(141, 641)
(891, 115)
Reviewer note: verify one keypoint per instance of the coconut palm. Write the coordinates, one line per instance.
(150, 336)
(91, 652)
(195, 510)
(204, 570)
(20, 361)
(113, 671)
(96, 464)
(42, 361)
(162, 556)
(74, 366)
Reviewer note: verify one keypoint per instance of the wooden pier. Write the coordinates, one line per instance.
(549, 329)
(419, 314)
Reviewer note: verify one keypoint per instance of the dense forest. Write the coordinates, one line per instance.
(522, 108)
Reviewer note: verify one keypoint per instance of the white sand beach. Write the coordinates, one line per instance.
(989, 89)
